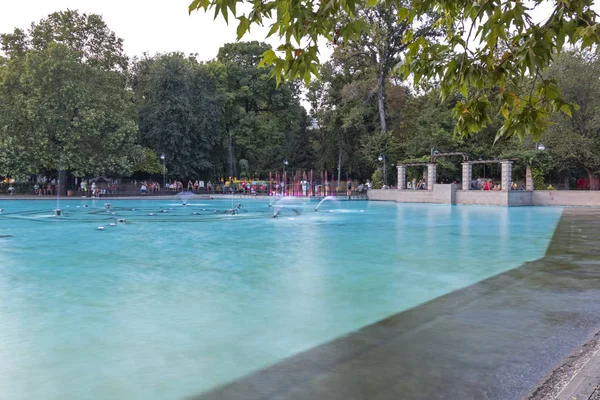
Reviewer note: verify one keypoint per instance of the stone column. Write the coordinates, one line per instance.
(467, 175)
(506, 175)
(431, 176)
(401, 177)
(528, 179)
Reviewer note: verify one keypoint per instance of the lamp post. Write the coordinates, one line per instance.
(382, 158)
(162, 157)
(481, 159)
(283, 190)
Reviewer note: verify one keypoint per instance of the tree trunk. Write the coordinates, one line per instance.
(231, 164)
(594, 181)
(339, 167)
(381, 100)
(567, 181)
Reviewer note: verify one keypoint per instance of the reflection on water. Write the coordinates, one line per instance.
(175, 304)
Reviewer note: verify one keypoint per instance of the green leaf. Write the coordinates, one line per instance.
(194, 5)
(402, 14)
(243, 27)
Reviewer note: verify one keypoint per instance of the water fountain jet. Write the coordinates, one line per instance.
(324, 200)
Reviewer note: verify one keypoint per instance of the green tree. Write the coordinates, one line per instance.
(574, 143)
(263, 123)
(489, 48)
(180, 111)
(382, 43)
(86, 34)
(148, 162)
(17, 137)
(82, 117)
(344, 104)
(62, 106)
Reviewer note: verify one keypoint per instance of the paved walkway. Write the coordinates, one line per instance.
(585, 384)
(496, 339)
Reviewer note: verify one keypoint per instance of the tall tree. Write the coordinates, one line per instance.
(343, 103)
(263, 123)
(86, 34)
(383, 42)
(489, 47)
(574, 143)
(68, 115)
(180, 111)
(65, 102)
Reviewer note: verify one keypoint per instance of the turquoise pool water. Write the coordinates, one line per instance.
(172, 305)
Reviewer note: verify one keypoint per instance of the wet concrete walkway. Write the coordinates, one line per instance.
(494, 340)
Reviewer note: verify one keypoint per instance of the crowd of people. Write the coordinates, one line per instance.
(43, 189)
(151, 187)
(96, 190)
(414, 185)
(488, 184)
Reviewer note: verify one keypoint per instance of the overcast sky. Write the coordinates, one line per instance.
(154, 25)
(145, 25)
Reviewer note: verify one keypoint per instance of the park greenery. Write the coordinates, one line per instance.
(71, 99)
(486, 51)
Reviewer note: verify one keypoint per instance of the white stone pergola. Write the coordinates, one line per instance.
(428, 174)
(506, 178)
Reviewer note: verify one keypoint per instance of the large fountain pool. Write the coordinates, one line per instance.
(173, 304)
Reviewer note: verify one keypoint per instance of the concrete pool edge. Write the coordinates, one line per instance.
(497, 313)
(578, 377)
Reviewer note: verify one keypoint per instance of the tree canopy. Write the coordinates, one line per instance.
(180, 111)
(70, 99)
(487, 51)
(64, 103)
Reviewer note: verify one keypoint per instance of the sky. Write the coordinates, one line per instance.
(145, 25)
(156, 26)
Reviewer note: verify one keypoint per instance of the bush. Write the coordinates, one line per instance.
(377, 179)
(538, 179)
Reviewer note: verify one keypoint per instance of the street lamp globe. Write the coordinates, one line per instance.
(541, 147)
(162, 157)
(380, 158)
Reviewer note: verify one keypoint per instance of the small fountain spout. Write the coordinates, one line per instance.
(324, 200)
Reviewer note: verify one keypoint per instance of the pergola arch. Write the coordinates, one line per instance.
(467, 170)
(465, 156)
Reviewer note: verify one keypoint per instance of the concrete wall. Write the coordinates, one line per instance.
(441, 194)
(486, 197)
(566, 198)
(444, 193)
(447, 194)
(519, 198)
(403, 196)
(495, 198)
